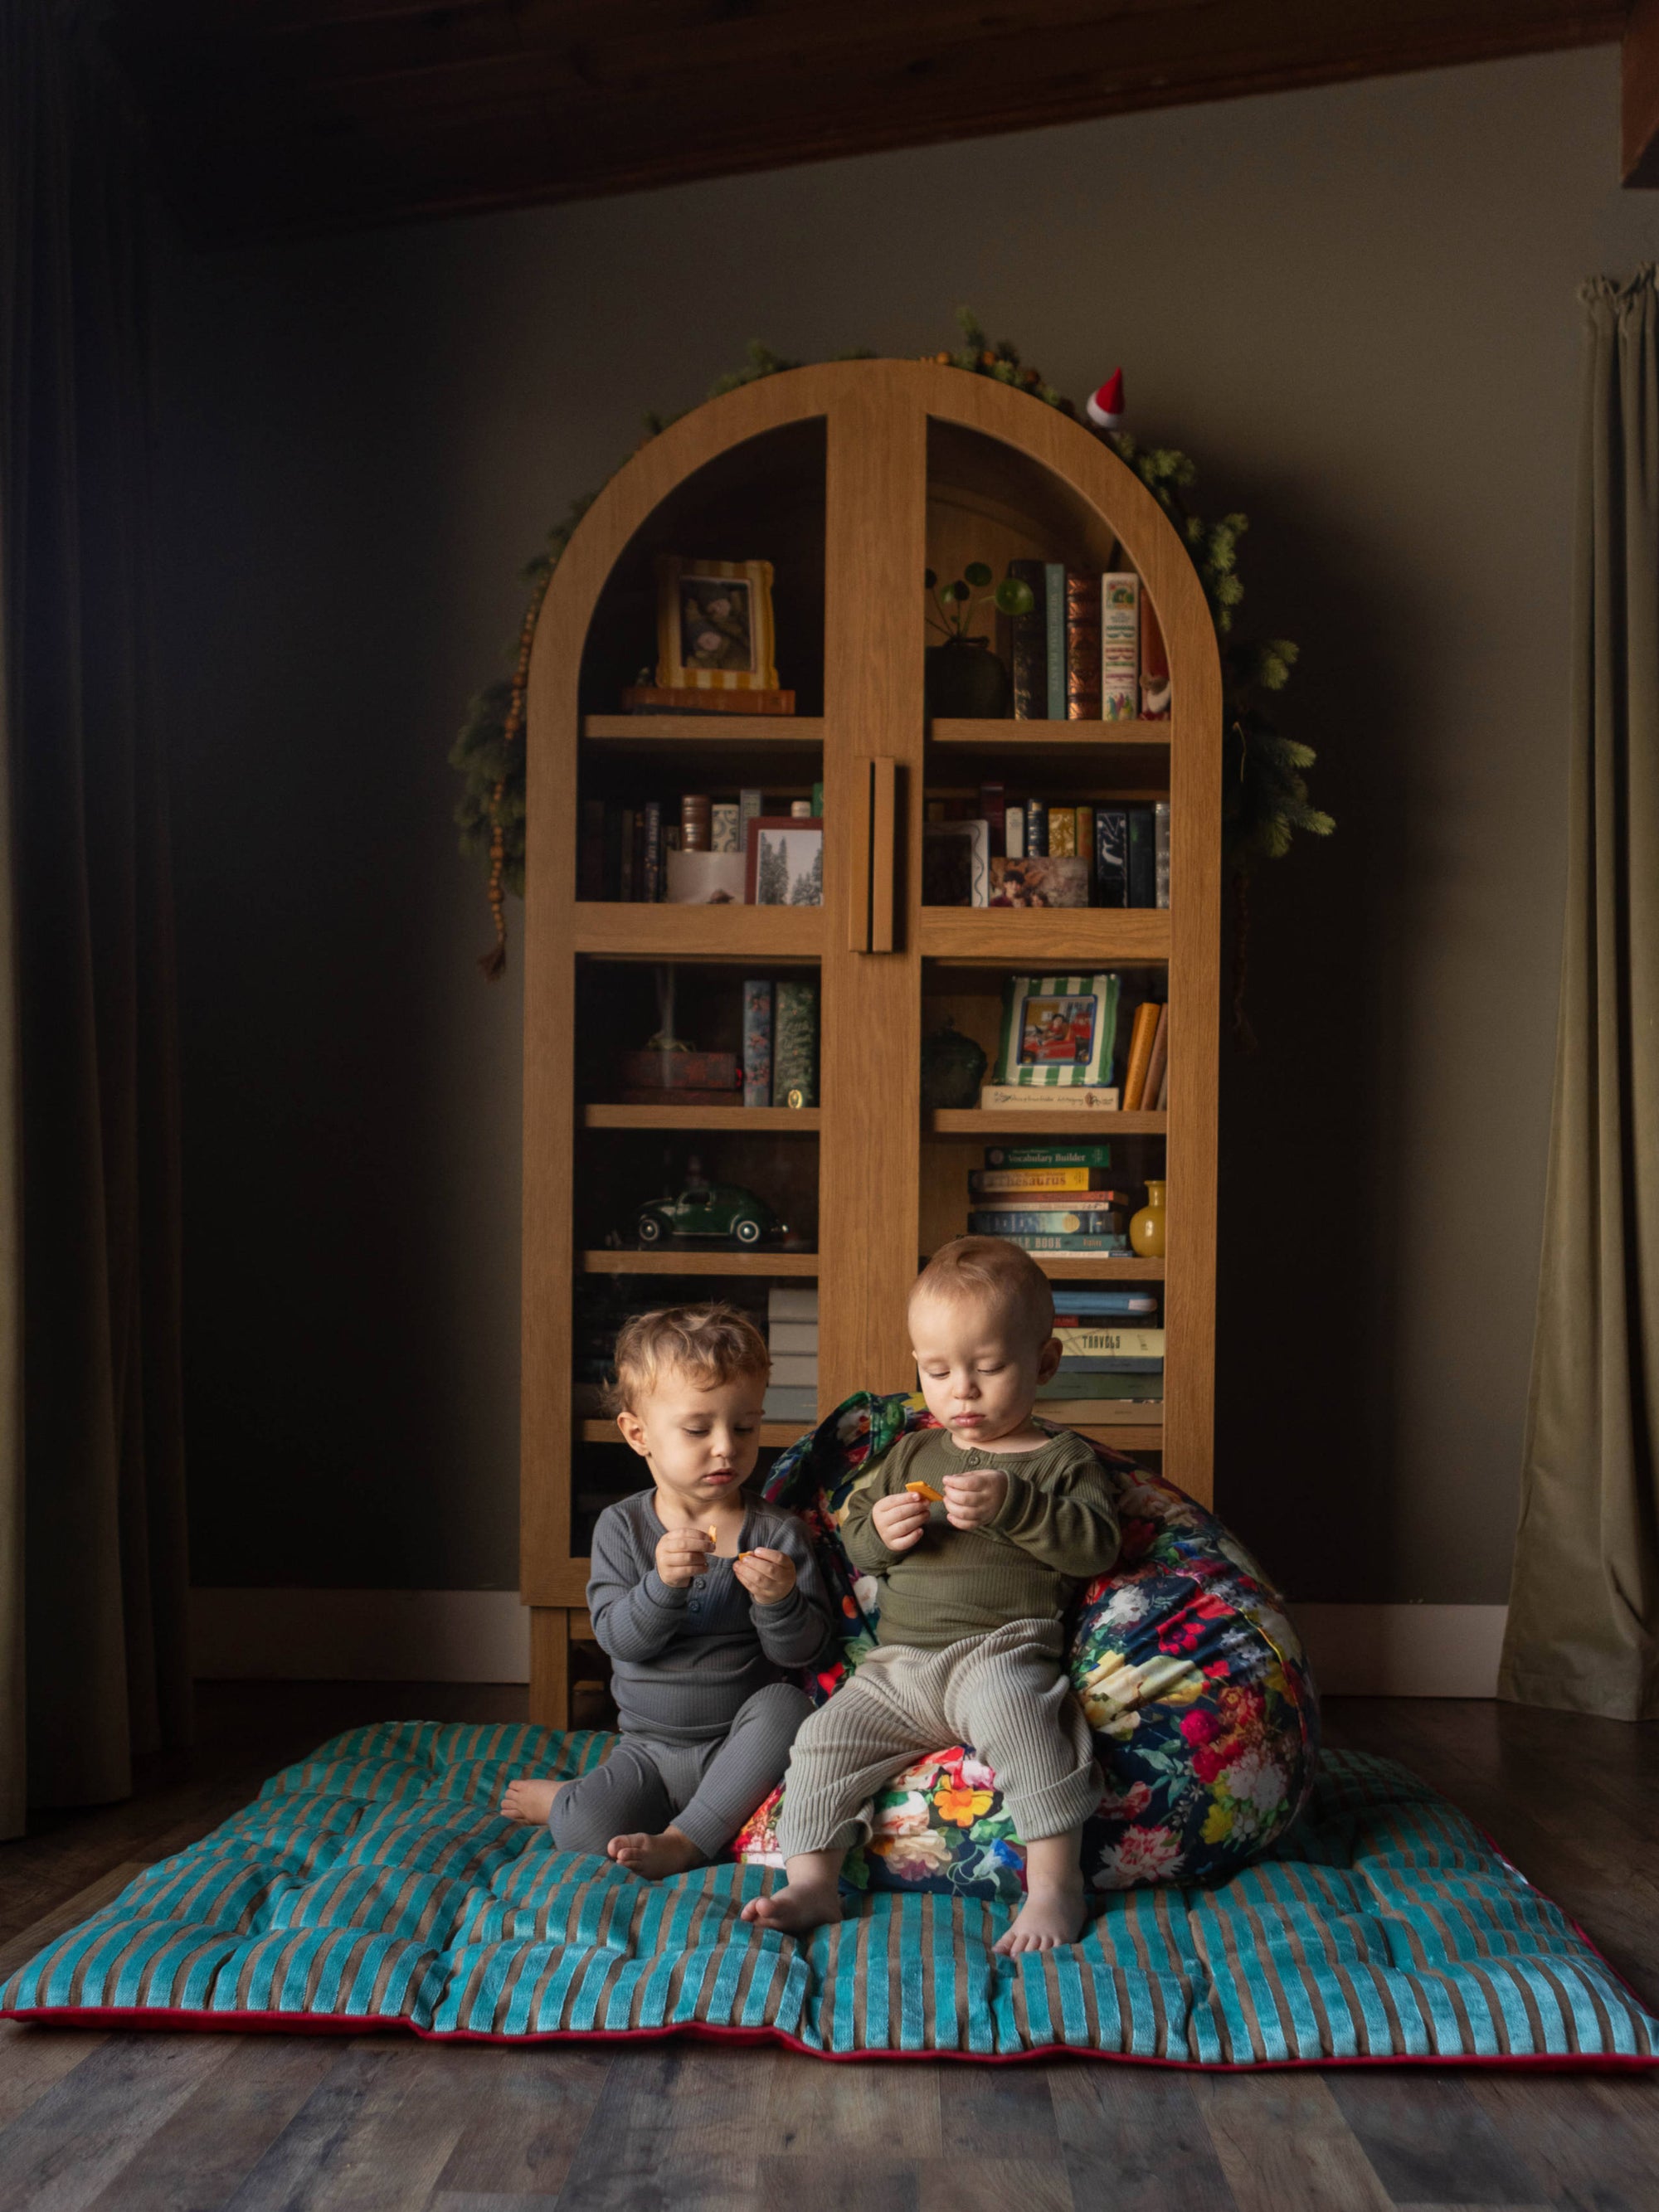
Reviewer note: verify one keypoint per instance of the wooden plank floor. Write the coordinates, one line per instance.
(145, 2122)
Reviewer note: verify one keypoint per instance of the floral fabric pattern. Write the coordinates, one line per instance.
(1205, 1718)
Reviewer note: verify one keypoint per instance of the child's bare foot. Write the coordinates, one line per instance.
(800, 1906)
(529, 1801)
(1052, 1914)
(653, 1857)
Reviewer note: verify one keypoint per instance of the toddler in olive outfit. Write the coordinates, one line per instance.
(976, 1580)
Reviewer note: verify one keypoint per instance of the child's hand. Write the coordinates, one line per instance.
(681, 1556)
(767, 1576)
(900, 1521)
(975, 1496)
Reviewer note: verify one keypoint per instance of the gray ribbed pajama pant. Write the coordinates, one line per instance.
(706, 1789)
(1005, 1693)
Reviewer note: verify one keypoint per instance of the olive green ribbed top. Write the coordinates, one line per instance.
(1055, 1531)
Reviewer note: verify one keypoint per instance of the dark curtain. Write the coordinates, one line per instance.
(1584, 1624)
(103, 1566)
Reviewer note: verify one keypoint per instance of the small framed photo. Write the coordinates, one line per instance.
(784, 861)
(1061, 879)
(956, 863)
(715, 625)
(1058, 1031)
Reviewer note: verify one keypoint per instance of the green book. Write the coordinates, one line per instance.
(1047, 1155)
(795, 1044)
(1103, 1386)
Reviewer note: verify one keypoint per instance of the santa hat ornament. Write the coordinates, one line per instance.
(1104, 408)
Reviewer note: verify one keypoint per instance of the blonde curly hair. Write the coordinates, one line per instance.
(707, 1344)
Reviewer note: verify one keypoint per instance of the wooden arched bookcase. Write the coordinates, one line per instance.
(849, 477)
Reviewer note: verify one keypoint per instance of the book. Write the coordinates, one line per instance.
(757, 1043)
(1029, 1241)
(1157, 1061)
(1099, 1343)
(751, 805)
(1161, 852)
(1013, 832)
(790, 1402)
(1163, 1089)
(791, 1336)
(1082, 1305)
(1029, 646)
(1062, 831)
(1143, 867)
(590, 852)
(1017, 1097)
(794, 1044)
(993, 810)
(1086, 843)
(1103, 1386)
(651, 886)
(1120, 645)
(1141, 1398)
(956, 863)
(1048, 1221)
(1036, 830)
(792, 1302)
(725, 827)
(1053, 631)
(1082, 645)
(1111, 856)
(1155, 696)
(1051, 881)
(1140, 1053)
(1051, 1202)
(793, 1369)
(1047, 1155)
(1085, 1365)
(685, 699)
(1082, 1175)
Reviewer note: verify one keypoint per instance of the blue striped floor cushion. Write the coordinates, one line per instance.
(374, 1883)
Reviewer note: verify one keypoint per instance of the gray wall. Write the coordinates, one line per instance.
(1353, 305)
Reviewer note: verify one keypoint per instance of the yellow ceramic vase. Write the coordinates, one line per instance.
(1146, 1230)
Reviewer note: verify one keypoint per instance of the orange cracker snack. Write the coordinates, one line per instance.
(926, 1489)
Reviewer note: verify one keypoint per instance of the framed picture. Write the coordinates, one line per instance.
(956, 863)
(715, 625)
(1058, 1031)
(784, 860)
(1055, 879)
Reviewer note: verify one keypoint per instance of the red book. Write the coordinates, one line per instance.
(1083, 645)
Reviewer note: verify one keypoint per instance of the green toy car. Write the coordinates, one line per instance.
(714, 1209)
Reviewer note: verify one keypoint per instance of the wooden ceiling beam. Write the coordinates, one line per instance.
(290, 115)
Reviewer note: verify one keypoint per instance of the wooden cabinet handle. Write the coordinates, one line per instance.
(869, 926)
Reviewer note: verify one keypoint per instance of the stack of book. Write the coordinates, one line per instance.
(792, 1337)
(1111, 1365)
(1090, 650)
(627, 853)
(1035, 851)
(1049, 1198)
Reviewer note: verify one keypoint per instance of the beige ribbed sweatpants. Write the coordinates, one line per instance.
(1005, 1693)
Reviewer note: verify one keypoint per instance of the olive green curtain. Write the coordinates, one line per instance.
(1583, 1623)
(92, 1537)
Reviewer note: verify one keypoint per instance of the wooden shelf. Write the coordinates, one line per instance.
(766, 935)
(638, 733)
(1128, 1438)
(722, 1261)
(772, 1434)
(983, 737)
(1036, 1124)
(789, 1119)
(1063, 938)
(1074, 1267)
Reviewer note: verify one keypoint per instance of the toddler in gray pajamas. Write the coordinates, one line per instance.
(703, 1600)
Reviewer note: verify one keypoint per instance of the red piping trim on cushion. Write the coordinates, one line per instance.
(291, 2023)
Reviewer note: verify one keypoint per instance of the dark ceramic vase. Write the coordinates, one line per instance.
(966, 682)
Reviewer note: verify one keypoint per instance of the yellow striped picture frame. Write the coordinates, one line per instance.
(715, 625)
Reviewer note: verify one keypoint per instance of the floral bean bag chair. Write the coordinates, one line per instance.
(1204, 1714)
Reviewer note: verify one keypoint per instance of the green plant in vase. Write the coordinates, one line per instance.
(965, 679)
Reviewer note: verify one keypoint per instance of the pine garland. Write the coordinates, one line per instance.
(1265, 797)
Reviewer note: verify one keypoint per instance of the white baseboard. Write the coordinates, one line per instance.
(484, 1636)
(1403, 1650)
(359, 1636)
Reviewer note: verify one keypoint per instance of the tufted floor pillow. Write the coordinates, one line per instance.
(1205, 1719)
